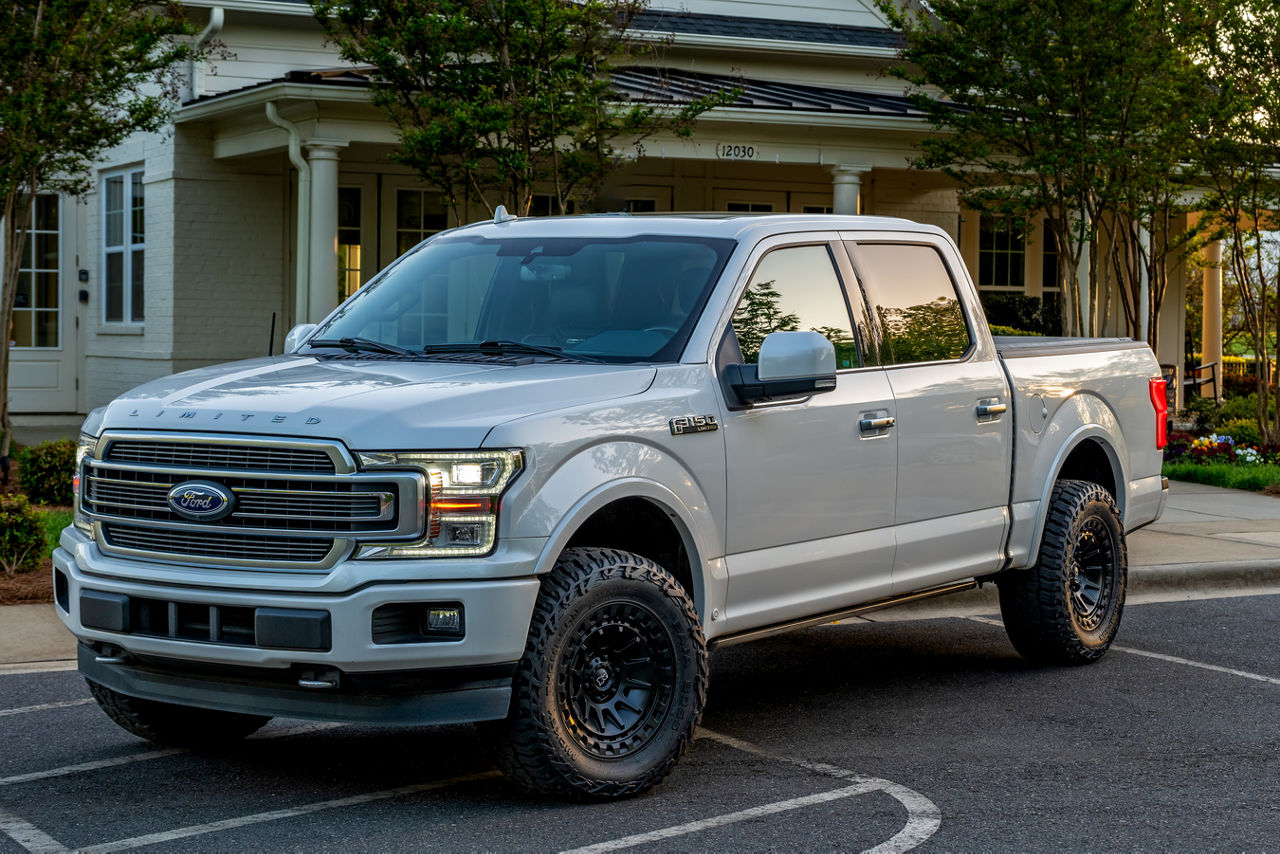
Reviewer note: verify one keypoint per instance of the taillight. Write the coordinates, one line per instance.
(1161, 403)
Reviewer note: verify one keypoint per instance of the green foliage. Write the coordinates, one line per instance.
(923, 333)
(21, 535)
(45, 471)
(78, 77)
(493, 101)
(757, 315)
(1019, 311)
(53, 521)
(1009, 330)
(1253, 478)
(1241, 431)
(1051, 106)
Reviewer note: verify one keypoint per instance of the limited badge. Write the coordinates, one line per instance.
(693, 424)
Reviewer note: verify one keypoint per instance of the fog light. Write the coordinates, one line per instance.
(467, 534)
(444, 620)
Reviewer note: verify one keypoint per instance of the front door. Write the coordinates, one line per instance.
(952, 426)
(811, 496)
(42, 377)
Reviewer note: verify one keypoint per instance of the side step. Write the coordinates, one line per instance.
(833, 616)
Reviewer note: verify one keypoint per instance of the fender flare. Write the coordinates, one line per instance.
(1086, 432)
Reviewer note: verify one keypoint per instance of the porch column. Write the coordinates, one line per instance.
(323, 157)
(846, 190)
(1211, 328)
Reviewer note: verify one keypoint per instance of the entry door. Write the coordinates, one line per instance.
(811, 496)
(42, 377)
(953, 417)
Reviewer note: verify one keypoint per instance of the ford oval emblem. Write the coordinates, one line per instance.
(201, 500)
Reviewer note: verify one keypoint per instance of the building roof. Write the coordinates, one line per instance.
(669, 86)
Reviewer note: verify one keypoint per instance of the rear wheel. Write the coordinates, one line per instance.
(174, 725)
(612, 682)
(1067, 608)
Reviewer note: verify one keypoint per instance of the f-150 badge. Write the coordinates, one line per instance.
(693, 424)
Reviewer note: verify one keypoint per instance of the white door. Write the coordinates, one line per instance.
(811, 492)
(42, 376)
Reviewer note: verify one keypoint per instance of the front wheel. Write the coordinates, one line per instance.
(1066, 609)
(171, 724)
(612, 682)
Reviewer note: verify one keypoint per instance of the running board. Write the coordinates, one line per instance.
(833, 616)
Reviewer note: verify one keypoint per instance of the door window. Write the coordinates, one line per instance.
(36, 305)
(792, 289)
(913, 301)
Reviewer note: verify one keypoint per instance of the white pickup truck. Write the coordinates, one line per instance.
(532, 472)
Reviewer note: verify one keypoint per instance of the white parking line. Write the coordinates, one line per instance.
(276, 815)
(29, 836)
(722, 820)
(43, 707)
(1173, 659)
(97, 764)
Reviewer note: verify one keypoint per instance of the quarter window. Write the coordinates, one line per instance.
(794, 289)
(124, 247)
(914, 303)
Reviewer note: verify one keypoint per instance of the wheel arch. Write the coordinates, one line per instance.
(1089, 453)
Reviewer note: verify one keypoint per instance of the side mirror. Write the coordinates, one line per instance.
(791, 365)
(297, 335)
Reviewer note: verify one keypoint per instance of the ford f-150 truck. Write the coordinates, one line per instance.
(536, 468)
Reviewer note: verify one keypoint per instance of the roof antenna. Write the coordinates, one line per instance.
(500, 215)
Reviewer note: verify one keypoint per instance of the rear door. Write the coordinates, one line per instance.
(953, 415)
(811, 496)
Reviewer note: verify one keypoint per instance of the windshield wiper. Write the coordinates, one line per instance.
(502, 348)
(361, 345)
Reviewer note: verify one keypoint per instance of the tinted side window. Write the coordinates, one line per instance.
(913, 301)
(795, 289)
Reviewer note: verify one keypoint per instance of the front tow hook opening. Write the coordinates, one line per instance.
(106, 654)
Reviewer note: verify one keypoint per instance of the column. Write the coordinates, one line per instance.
(846, 190)
(323, 157)
(1211, 328)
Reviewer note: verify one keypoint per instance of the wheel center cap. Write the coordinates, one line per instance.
(601, 676)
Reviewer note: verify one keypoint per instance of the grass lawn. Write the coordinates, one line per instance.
(53, 520)
(1254, 478)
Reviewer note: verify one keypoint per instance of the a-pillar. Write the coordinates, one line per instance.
(846, 189)
(1211, 328)
(323, 157)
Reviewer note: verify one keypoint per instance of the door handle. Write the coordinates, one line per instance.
(990, 410)
(867, 425)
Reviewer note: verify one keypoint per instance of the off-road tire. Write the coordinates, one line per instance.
(612, 682)
(1067, 608)
(173, 725)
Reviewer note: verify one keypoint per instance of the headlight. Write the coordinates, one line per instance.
(84, 450)
(462, 500)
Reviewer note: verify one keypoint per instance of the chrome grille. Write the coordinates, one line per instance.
(243, 457)
(229, 546)
(297, 504)
(290, 505)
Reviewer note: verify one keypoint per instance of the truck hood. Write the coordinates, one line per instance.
(368, 404)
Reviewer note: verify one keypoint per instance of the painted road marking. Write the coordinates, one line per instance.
(146, 756)
(923, 816)
(44, 707)
(29, 836)
(1173, 659)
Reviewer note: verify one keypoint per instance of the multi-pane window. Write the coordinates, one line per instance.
(349, 256)
(914, 302)
(419, 214)
(124, 247)
(795, 289)
(1002, 251)
(749, 207)
(37, 305)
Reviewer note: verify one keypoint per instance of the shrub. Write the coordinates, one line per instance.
(1242, 431)
(22, 537)
(45, 471)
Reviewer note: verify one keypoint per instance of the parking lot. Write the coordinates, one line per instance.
(884, 736)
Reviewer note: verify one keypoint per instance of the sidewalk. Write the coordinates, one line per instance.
(1208, 539)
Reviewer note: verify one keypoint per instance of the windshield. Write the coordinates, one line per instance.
(632, 299)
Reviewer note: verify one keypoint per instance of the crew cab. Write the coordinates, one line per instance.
(536, 468)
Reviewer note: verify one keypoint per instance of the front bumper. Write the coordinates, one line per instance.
(434, 681)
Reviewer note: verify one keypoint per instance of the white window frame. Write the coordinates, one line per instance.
(126, 248)
(30, 312)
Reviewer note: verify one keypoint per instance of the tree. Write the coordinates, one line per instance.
(76, 78)
(1077, 108)
(757, 315)
(495, 100)
(1239, 147)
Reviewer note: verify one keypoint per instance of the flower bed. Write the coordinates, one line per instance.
(1219, 460)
